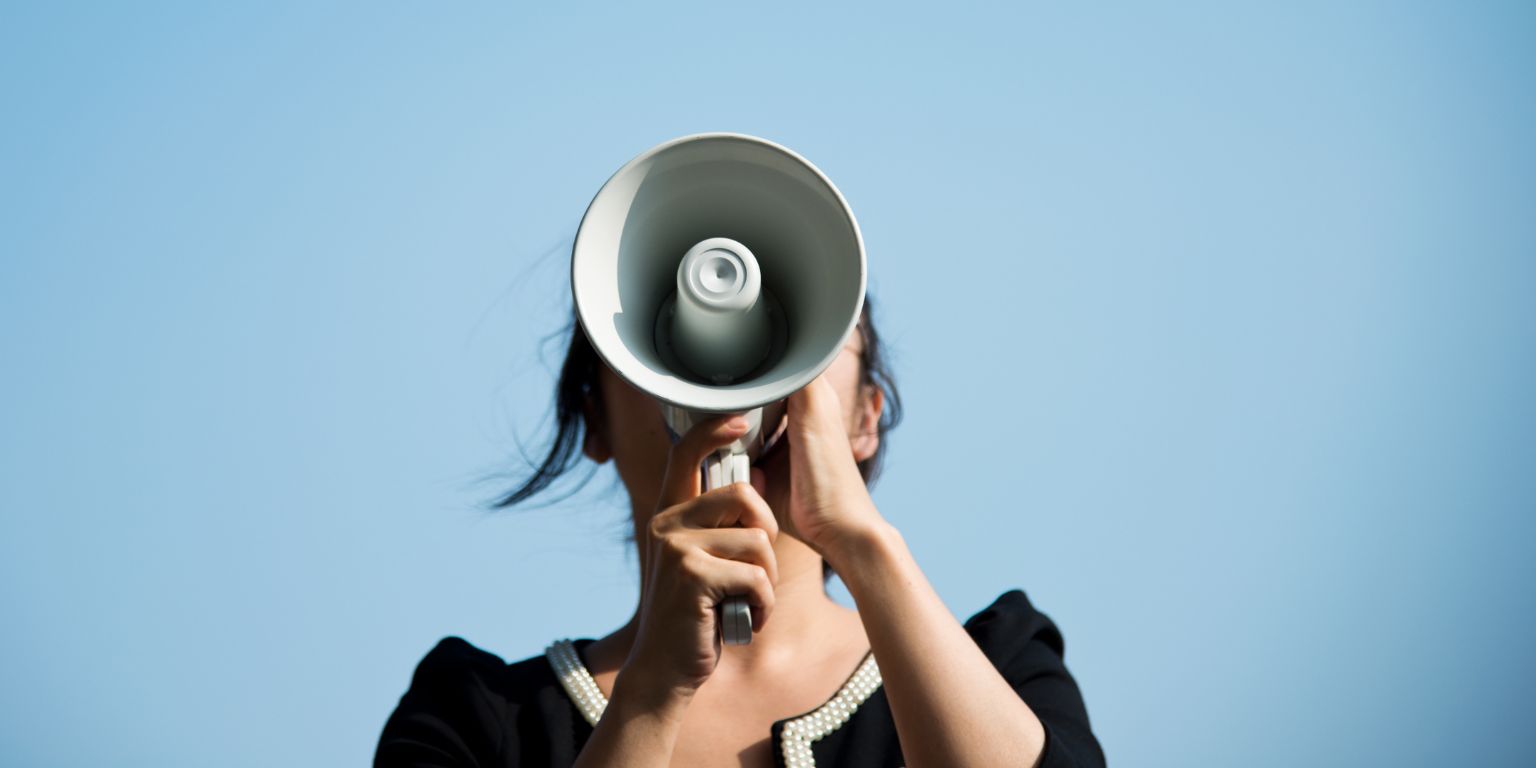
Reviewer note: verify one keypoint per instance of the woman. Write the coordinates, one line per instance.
(897, 682)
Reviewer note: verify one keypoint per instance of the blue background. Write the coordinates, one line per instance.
(1214, 324)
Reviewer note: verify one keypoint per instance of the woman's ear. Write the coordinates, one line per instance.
(866, 436)
(595, 444)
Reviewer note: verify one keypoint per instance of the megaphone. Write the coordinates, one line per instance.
(719, 273)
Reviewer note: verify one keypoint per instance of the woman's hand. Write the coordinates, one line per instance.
(700, 548)
(829, 503)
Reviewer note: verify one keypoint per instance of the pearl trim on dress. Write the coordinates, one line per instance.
(577, 681)
(798, 734)
(801, 732)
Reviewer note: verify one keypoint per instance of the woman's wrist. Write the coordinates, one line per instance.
(641, 692)
(636, 698)
(864, 549)
(639, 726)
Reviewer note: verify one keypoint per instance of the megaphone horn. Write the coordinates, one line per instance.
(719, 273)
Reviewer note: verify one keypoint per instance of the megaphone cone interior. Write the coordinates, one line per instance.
(775, 253)
(720, 328)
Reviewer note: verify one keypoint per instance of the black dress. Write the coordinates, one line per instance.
(467, 707)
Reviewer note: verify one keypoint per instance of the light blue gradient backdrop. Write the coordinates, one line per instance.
(1215, 326)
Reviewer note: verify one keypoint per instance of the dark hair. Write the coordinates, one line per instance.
(579, 381)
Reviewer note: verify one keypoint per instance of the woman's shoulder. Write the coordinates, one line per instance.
(456, 669)
(1027, 648)
(1011, 623)
(455, 662)
(467, 704)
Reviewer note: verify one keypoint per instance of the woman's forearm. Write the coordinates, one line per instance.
(638, 729)
(950, 705)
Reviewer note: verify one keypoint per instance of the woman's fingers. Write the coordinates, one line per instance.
(737, 504)
(722, 543)
(682, 479)
(817, 407)
(731, 578)
(818, 439)
(744, 545)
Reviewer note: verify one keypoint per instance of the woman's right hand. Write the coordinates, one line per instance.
(701, 549)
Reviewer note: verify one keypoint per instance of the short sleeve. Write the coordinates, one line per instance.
(1026, 647)
(446, 717)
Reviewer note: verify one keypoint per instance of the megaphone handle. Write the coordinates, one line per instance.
(721, 469)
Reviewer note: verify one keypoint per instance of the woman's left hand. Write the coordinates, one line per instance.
(829, 503)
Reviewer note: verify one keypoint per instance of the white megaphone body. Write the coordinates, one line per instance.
(719, 273)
